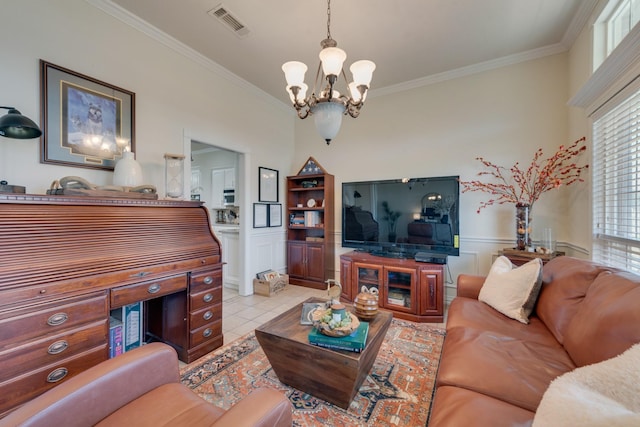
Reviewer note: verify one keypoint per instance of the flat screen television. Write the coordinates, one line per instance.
(402, 217)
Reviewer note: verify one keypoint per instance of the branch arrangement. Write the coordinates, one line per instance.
(518, 186)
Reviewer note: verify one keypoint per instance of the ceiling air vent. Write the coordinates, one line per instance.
(223, 15)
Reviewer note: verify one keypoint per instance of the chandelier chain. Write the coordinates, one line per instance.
(329, 19)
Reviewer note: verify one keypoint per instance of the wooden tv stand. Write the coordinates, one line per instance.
(65, 262)
(411, 290)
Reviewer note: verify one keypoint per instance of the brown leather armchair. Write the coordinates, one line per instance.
(142, 388)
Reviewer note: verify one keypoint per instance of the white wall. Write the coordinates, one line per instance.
(175, 97)
(503, 115)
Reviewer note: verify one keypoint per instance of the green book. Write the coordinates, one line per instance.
(354, 342)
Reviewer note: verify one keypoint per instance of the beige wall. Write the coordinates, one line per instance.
(178, 96)
(503, 115)
(174, 94)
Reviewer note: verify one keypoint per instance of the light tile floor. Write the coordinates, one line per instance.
(242, 314)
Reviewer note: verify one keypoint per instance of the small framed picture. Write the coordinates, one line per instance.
(267, 185)
(275, 215)
(271, 275)
(260, 217)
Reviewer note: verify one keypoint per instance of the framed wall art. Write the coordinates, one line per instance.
(260, 215)
(267, 185)
(275, 215)
(86, 122)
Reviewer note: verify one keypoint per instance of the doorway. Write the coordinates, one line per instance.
(215, 173)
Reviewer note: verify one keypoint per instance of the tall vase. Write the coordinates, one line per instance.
(127, 172)
(523, 226)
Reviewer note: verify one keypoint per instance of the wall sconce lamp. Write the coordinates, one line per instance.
(15, 125)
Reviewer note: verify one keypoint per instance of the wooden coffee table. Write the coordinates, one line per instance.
(331, 375)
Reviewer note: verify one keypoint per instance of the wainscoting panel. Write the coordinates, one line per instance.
(269, 252)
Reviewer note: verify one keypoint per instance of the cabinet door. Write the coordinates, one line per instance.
(399, 287)
(366, 275)
(345, 280)
(315, 262)
(217, 188)
(230, 179)
(296, 256)
(431, 288)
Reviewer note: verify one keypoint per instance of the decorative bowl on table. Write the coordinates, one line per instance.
(335, 321)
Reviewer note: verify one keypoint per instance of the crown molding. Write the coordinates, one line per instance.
(144, 27)
(470, 70)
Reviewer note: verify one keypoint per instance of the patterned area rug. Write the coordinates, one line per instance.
(397, 391)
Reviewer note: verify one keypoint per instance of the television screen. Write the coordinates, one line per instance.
(402, 217)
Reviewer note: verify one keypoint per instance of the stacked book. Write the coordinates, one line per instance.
(125, 329)
(312, 219)
(297, 219)
(354, 342)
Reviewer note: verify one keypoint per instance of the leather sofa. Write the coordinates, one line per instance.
(494, 370)
(142, 388)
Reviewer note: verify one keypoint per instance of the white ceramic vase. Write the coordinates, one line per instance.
(127, 172)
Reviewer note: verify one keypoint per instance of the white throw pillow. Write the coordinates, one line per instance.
(604, 394)
(513, 291)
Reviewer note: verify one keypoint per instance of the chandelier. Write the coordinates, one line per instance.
(328, 105)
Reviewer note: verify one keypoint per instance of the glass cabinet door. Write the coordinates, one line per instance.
(367, 276)
(399, 286)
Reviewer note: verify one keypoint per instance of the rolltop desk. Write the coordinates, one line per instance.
(65, 262)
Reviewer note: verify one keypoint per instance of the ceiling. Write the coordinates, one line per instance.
(412, 42)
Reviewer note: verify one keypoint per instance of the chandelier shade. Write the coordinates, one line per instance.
(328, 119)
(332, 59)
(362, 72)
(294, 72)
(326, 103)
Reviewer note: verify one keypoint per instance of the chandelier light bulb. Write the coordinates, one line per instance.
(355, 93)
(294, 72)
(302, 93)
(332, 59)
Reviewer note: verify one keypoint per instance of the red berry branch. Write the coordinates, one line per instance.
(518, 186)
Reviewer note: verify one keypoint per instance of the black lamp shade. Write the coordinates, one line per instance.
(15, 125)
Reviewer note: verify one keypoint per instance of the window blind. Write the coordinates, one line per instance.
(616, 189)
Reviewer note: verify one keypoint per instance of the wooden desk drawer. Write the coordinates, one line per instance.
(205, 298)
(205, 281)
(124, 295)
(52, 349)
(25, 387)
(203, 316)
(205, 333)
(17, 326)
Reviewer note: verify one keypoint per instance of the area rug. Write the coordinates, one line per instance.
(397, 392)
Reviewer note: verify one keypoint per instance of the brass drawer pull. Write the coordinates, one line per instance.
(155, 288)
(56, 375)
(208, 280)
(207, 333)
(207, 298)
(57, 319)
(58, 347)
(207, 315)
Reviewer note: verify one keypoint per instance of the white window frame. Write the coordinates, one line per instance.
(613, 82)
(614, 23)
